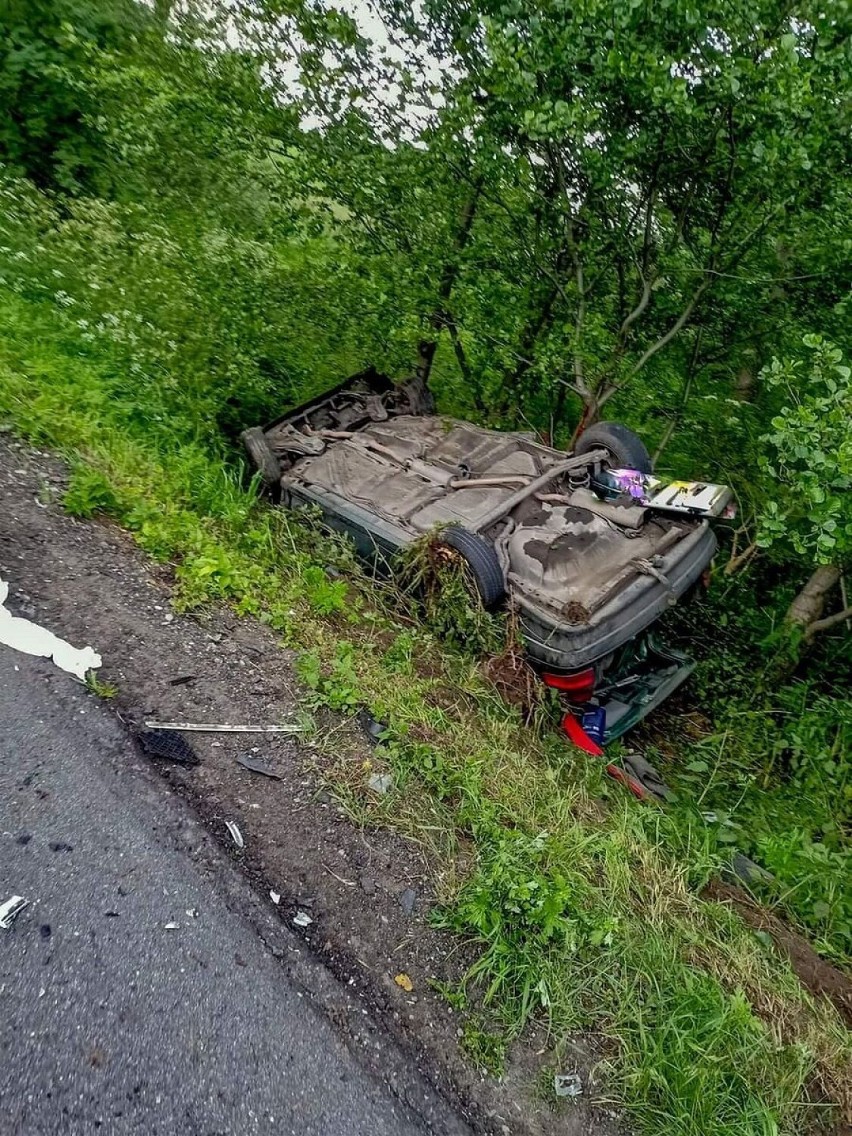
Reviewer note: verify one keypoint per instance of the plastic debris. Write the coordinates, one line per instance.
(642, 771)
(32, 639)
(172, 927)
(594, 723)
(236, 835)
(256, 765)
(275, 896)
(10, 910)
(748, 871)
(404, 983)
(407, 900)
(223, 728)
(302, 919)
(579, 737)
(568, 1085)
(372, 727)
(380, 782)
(167, 745)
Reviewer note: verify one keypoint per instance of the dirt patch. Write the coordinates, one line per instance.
(367, 893)
(820, 977)
(515, 680)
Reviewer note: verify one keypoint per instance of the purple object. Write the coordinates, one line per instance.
(630, 481)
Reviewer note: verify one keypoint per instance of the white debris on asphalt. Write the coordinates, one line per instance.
(236, 835)
(10, 910)
(275, 897)
(32, 639)
(302, 919)
(172, 927)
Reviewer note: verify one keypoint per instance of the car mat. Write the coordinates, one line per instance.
(642, 771)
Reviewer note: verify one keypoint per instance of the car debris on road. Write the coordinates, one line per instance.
(223, 728)
(568, 1085)
(11, 909)
(380, 782)
(256, 765)
(168, 745)
(236, 835)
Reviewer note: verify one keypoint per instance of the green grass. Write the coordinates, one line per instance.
(769, 771)
(584, 908)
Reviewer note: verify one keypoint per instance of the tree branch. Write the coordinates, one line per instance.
(458, 348)
(679, 323)
(829, 621)
(684, 397)
(737, 562)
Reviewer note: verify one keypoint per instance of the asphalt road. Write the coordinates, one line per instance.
(109, 1020)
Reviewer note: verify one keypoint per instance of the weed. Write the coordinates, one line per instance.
(89, 492)
(324, 595)
(485, 1048)
(102, 689)
(334, 687)
(441, 587)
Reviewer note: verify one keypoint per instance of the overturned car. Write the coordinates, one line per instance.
(589, 547)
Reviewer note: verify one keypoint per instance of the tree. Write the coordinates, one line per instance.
(808, 462)
(48, 120)
(654, 165)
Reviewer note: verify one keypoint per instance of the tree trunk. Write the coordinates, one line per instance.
(427, 347)
(807, 608)
(745, 385)
(803, 619)
(591, 414)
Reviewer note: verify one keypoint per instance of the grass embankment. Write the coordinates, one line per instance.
(586, 907)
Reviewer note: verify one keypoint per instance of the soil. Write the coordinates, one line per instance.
(368, 893)
(820, 977)
(515, 680)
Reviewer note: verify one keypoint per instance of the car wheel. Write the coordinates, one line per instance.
(262, 458)
(626, 450)
(482, 561)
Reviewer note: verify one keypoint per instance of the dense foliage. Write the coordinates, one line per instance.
(549, 211)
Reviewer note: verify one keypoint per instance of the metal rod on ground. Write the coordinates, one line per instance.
(220, 728)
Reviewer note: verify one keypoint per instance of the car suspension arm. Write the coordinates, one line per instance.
(580, 461)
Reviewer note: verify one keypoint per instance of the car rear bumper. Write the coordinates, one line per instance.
(655, 673)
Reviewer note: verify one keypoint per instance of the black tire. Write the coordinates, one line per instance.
(626, 450)
(262, 458)
(482, 561)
